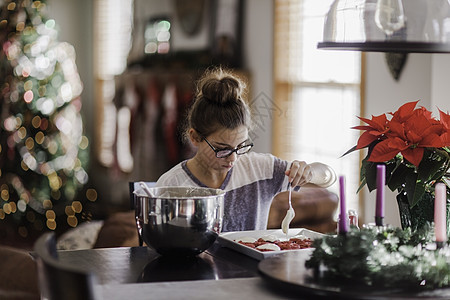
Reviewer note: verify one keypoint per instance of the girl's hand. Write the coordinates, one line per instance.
(299, 174)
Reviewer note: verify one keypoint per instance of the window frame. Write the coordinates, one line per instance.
(283, 91)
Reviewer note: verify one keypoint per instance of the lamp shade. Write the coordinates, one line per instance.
(410, 26)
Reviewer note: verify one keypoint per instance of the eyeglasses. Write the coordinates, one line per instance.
(222, 153)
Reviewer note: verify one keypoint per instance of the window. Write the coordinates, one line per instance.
(317, 92)
(113, 20)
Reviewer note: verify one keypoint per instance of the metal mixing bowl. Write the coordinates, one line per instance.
(179, 221)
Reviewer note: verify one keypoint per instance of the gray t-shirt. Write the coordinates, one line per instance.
(250, 187)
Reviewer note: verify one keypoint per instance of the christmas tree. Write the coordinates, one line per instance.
(43, 154)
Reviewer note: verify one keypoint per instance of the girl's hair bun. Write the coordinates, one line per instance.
(222, 91)
(218, 103)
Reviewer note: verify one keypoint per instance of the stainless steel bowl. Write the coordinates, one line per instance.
(179, 221)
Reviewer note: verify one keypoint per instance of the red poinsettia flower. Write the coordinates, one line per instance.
(414, 147)
(409, 132)
(445, 120)
(378, 126)
(404, 112)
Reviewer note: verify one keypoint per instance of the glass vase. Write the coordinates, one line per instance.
(417, 216)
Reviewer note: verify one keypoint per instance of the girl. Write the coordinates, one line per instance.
(218, 125)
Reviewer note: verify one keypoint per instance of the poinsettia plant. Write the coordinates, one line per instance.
(412, 144)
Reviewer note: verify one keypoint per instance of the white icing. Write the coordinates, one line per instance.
(300, 236)
(270, 238)
(268, 246)
(290, 214)
(246, 239)
(284, 238)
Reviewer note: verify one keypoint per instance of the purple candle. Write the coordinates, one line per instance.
(379, 209)
(440, 220)
(343, 218)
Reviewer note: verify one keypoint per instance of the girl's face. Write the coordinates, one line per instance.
(223, 139)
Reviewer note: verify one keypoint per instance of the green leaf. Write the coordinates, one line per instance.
(349, 151)
(419, 191)
(415, 189)
(433, 164)
(371, 175)
(361, 185)
(397, 178)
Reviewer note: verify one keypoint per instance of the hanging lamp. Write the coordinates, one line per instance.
(409, 26)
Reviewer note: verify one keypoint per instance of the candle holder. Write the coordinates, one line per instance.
(437, 246)
(342, 233)
(377, 228)
(440, 244)
(379, 221)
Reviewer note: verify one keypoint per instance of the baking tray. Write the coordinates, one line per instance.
(227, 239)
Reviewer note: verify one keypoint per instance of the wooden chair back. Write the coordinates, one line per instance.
(59, 280)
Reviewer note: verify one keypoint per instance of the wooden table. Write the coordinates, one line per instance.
(218, 273)
(139, 272)
(142, 264)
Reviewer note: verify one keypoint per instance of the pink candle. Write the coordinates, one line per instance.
(440, 220)
(379, 208)
(343, 218)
